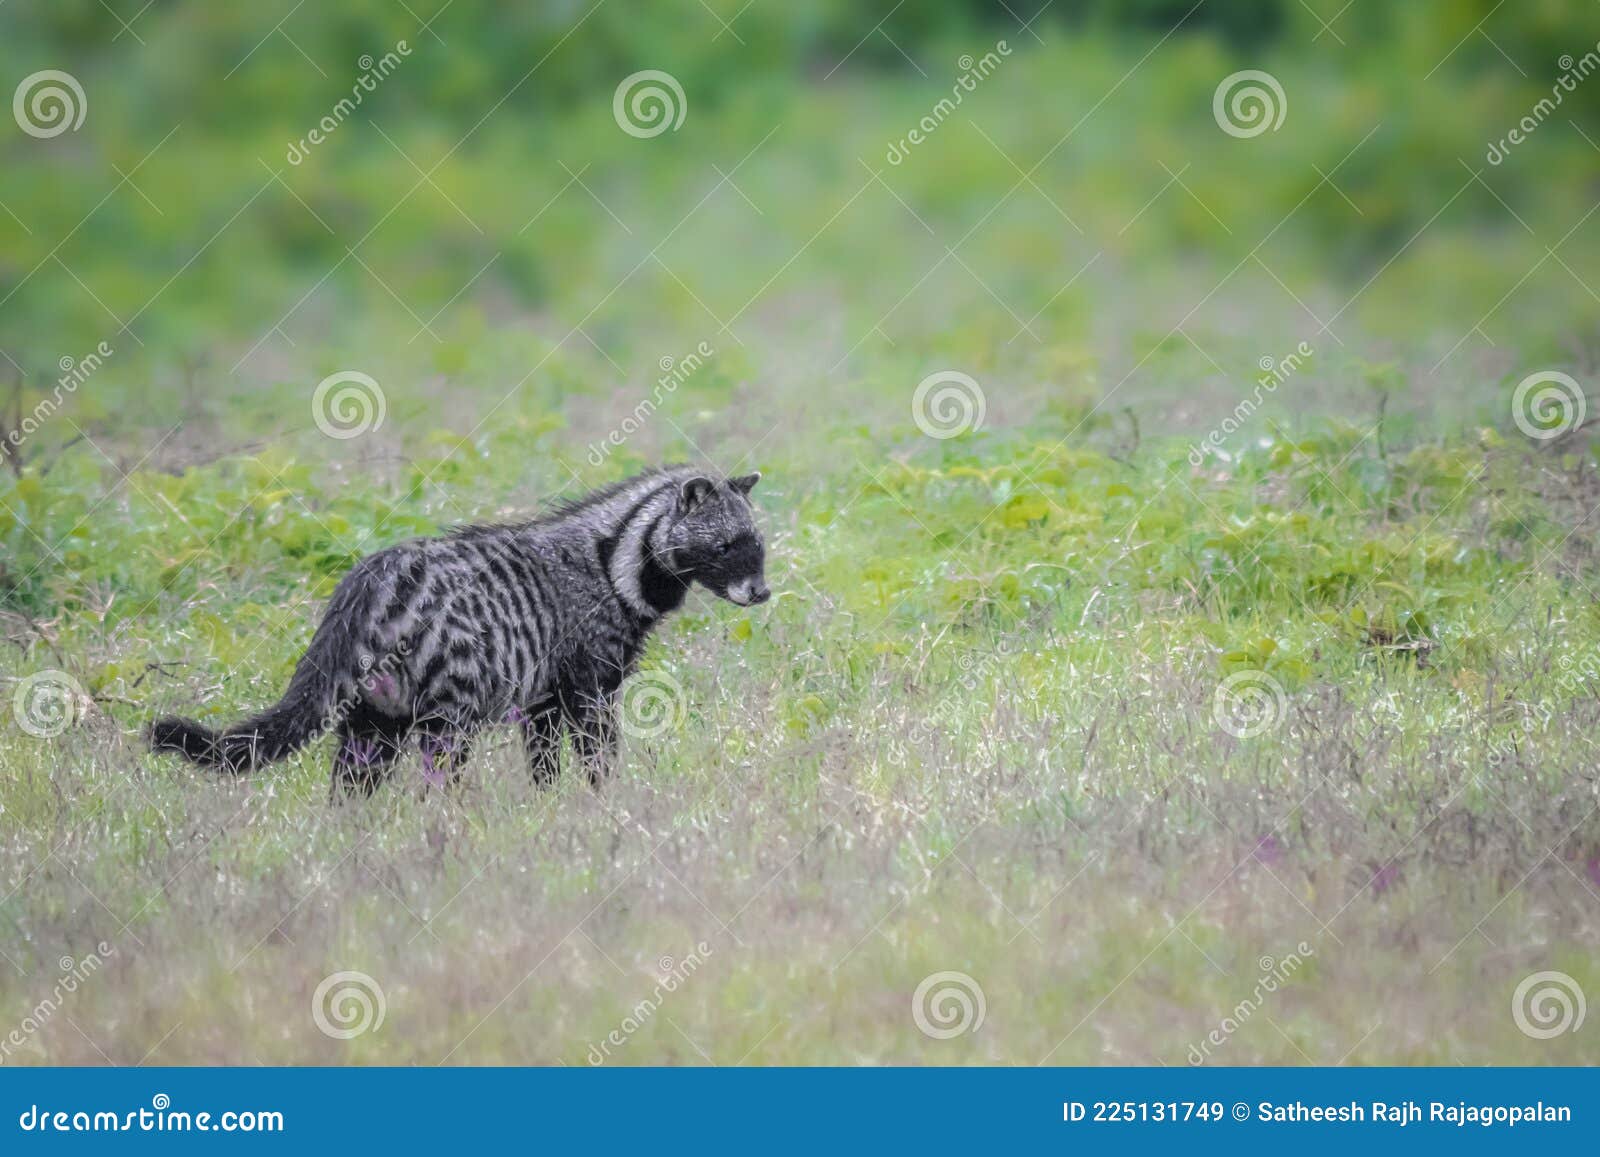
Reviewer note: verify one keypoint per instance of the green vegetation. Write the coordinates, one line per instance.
(988, 723)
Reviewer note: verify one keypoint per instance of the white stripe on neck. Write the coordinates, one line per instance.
(627, 561)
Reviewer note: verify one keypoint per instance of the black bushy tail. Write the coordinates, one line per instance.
(275, 733)
(261, 739)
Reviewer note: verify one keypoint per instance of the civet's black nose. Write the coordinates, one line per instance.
(761, 594)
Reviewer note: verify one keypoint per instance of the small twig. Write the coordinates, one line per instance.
(13, 426)
(60, 453)
(1570, 434)
(33, 626)
(159, 668)
(123, 700)
(1133, 420)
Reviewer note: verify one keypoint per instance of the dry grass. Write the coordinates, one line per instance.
(1103, 861)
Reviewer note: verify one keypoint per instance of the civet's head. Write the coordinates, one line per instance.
(715, 541)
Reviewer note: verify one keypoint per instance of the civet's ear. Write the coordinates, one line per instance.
(745, 483)
(693, 492)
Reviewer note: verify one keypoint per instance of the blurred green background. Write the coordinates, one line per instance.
(481, 237)
(174, 212)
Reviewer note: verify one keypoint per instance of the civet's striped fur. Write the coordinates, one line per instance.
(536, 623)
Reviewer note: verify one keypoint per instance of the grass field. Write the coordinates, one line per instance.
(1211, 673)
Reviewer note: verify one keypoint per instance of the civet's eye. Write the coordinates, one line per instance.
(724, 547)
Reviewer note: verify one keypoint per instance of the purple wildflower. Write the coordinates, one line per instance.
(1385, 878)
